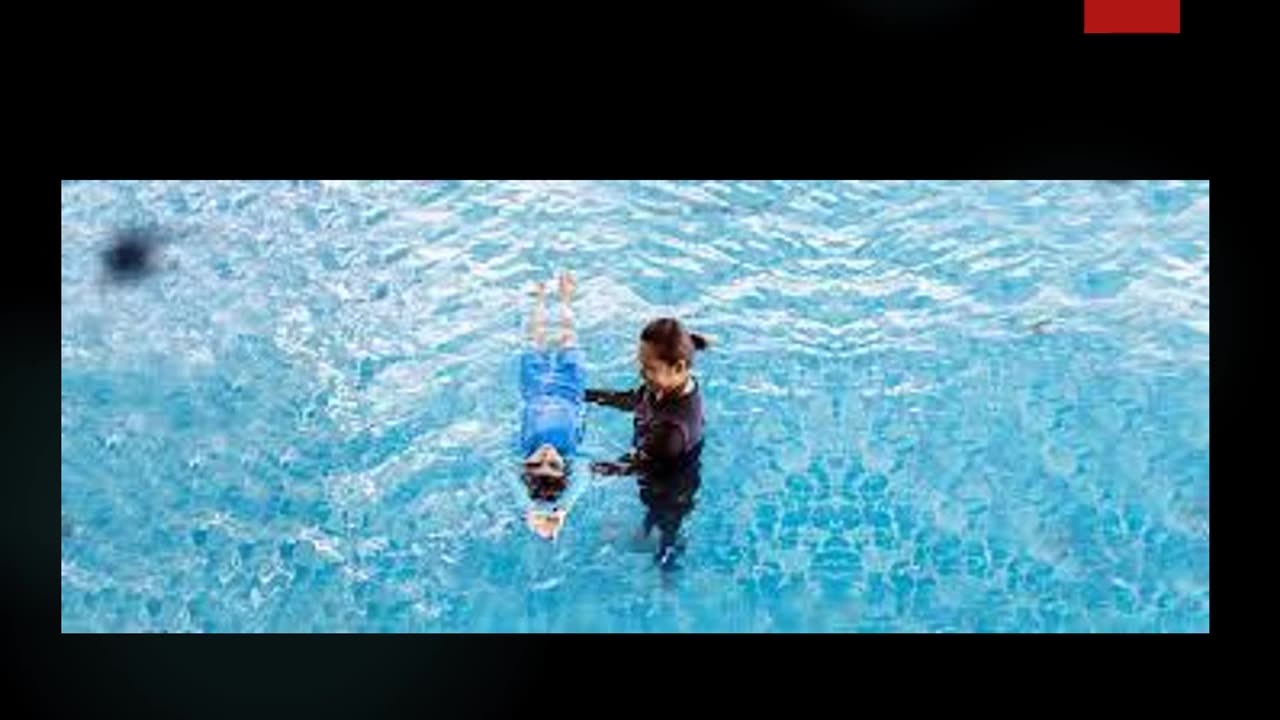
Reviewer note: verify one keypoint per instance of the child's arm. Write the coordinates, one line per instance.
(620, 399)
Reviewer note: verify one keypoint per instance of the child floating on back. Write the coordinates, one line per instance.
(552, 385)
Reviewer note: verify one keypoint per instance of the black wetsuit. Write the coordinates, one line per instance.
(664, 430)
(666, 453)
(669, 497)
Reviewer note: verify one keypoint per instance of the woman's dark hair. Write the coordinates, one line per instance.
(671, 342)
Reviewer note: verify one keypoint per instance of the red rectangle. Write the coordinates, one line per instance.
(1132, 16)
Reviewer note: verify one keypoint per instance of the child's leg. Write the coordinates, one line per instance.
(570, 375)
(537, 322)
(535, 375)
(568, 338)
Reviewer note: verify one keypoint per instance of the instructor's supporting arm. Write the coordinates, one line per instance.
(664, 446)
(619, 399)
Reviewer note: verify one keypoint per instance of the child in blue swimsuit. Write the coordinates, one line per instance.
(553, 387)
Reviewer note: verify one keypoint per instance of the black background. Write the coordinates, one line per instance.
(877, 89)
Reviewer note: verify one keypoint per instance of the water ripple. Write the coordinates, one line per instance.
(931, 405)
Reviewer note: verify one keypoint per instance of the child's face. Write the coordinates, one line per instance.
(544, 463)
(660, 376)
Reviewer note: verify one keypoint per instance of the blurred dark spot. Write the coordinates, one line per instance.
(1040, 326)
(132, 254)
(66, 528)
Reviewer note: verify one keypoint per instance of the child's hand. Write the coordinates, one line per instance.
(567, 285)
(546, 524)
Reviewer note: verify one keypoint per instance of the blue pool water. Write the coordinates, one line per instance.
(931, 406)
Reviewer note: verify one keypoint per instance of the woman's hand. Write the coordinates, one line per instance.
(605, 467)
(625, 400)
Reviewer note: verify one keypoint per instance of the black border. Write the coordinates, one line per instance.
(774, 92)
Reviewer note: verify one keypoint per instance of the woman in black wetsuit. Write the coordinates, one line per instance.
(667, 432)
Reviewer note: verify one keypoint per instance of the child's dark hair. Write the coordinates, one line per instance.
(671, 342)
(547, 489)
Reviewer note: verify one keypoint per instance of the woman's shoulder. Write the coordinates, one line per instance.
(694, 393)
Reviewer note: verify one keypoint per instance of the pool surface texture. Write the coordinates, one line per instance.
(930, 406)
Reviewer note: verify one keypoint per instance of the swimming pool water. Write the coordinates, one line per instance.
(931, 406)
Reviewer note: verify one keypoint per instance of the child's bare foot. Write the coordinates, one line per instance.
(539, 290)
(567, 285)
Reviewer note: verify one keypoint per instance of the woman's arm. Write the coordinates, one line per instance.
(664, 445)
(620, 399)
